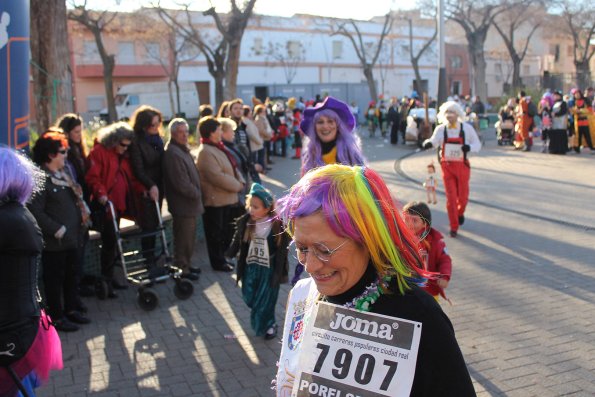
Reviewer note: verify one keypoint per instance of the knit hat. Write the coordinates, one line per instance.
(333, 104)
(257, 190)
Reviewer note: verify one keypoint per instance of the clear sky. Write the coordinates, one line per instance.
(359, 9)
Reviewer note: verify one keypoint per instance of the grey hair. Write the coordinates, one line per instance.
(175, 123)
(451, 106)
(111, 135)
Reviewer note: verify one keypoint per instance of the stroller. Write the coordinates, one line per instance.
(505, 132)
(136, 267)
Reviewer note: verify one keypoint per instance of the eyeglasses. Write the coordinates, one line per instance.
(320, 251)
(124, 145)
(63, 151)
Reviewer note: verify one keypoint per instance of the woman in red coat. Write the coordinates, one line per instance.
(110, 178)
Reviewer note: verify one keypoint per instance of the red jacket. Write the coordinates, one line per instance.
(438, 260)
(111, 175)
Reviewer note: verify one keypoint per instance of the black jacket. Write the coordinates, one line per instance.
(279, 249)
(53, 207)
(146, 162)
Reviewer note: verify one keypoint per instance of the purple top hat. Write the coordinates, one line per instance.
(333, 104)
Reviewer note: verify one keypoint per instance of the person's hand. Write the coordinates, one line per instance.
(154, 193)
(442, 283)
(466, 148)
(258, 167)
(60, 233)
(102, 200)
(427, 145)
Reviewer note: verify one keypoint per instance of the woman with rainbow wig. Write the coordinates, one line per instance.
(29, 345)
(361, 257)
(330, 127)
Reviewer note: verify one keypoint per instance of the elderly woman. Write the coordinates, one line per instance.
(221, 182)
(361, 322)
(34, 347)
(329, 127)
(455, 139)
(59, 213)
(110, 178)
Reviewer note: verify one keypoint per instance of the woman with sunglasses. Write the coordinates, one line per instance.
(110, 178)
(56, 210)
(146, 158)
(361, 323)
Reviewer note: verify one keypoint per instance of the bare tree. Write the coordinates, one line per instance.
(416, 58)
(52, 77)
(97, 22)
(232, 27)
(521, 13)
(579, 16)
(289, 56)
(214, 49)
(475, 17)
(366, 52)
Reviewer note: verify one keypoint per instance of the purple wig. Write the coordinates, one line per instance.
(348, 145)
(19, 177)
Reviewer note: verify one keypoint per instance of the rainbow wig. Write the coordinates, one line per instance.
(348, 144)
(357, 205)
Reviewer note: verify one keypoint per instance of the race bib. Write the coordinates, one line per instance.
(453, 152)
(258, 252)
(346, 352)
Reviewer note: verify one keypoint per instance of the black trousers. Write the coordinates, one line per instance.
(583, 131)
(109, 249)
(216, 222)
(59, 280)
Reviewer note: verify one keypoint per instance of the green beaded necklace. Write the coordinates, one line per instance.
(363, 301)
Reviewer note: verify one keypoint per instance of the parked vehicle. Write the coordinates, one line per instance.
(131, 96)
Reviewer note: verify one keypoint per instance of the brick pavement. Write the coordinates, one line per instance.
(523, 293)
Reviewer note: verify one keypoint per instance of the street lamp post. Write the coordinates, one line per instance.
(442, 65)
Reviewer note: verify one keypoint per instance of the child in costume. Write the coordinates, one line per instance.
(432, 247)
(430, 184)
(262, 262)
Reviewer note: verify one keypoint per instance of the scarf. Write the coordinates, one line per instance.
(155, 141)
(221, 146)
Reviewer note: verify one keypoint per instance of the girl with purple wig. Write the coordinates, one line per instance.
(29, 346)
(330, 127)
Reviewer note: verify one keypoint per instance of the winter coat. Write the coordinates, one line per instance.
(56, 206)
(438, 260)
(220, 183)
(146, 163)
(277, 237)
(181, 181)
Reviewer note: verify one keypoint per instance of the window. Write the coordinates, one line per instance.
(153, 53)
(337, 49)
(90, 53)
(257, 48)
(125, 53)
(404, 50)
(294, 49)
(555, 51)
(456, 62)
(95, 103)
(526, 70)
(456, 88)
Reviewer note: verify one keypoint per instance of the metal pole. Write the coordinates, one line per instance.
(442, 67)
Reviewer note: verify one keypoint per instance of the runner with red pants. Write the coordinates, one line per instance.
(455, 139)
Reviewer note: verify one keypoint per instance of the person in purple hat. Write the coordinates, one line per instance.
(330, 127)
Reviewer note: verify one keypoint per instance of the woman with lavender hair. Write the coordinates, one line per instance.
(329, 127)
(29, 346)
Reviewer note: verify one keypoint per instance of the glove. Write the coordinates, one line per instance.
(466, 148)
(427, 145)
(60, 233)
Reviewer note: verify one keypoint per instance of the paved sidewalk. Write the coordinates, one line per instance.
(523, 293)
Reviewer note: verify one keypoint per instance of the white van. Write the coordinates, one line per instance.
(131, 96)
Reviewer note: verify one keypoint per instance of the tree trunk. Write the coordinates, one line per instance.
(219, 78)
(475, 45)
(170, 92)
(583, 73)
(232, 68)
(178, 112)
(415, 64)
(52, 79)
(371, 83)
(517, 82)
(108, 72)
